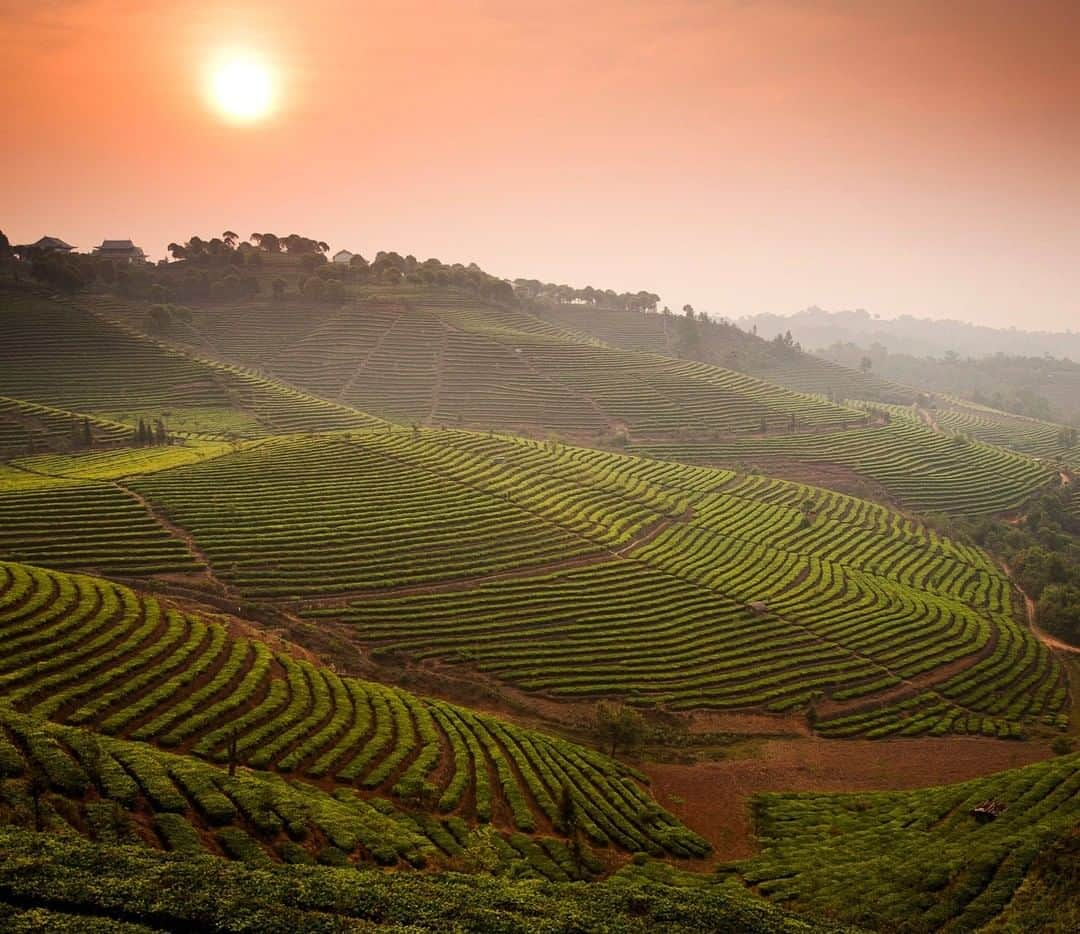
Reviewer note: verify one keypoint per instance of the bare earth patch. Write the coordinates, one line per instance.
(713, 798)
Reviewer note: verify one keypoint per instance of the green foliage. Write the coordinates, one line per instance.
(916, 860)
(618, 727)
(99, 655)
(1059, 611)
(51, 875)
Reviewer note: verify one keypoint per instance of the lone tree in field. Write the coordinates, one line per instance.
(619, 726)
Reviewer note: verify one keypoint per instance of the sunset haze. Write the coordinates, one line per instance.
(905, 157)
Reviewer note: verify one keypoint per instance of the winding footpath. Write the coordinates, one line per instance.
(1051, 642)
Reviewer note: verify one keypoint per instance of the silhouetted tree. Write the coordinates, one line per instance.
(267, 242)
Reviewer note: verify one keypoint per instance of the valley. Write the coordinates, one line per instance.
(427, 581)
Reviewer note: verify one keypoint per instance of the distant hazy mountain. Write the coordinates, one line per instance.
(816, 328)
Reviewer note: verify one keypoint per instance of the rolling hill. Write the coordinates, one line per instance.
(85, 652)
(571, 572)
(186, 623)
(439, 357)
(723, 344)
(924, 860)
(434, 356)
(425, 355)
(134, 675)
(56, 354)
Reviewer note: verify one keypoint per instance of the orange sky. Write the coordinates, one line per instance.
(745, 155)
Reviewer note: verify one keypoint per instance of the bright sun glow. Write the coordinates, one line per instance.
(242, 89)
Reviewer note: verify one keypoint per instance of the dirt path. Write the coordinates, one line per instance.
(1044, 637)
(440, 378)
(347, 386)
(928, 419)
(1029, 606)
(713, 798)
(180, 533)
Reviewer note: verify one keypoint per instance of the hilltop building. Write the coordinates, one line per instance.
(123, 251)
(343, 257)
(44, 245)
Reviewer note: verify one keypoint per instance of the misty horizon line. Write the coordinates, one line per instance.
(750, 318)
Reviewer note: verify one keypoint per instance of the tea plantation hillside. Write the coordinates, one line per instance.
(918, 861)
(399, 356)
(425, 355)
(55, 354)
(928, 860)
(1053, 444)
(907, 462)
(63, 780)
(574, 573)
(439, 357)
(724, 344)
(61, 883)
(743, 541)
(82, 651)
(26, 427)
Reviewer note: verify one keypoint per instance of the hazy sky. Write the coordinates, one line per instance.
(918, 156)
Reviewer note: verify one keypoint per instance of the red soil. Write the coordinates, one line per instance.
(713, 798)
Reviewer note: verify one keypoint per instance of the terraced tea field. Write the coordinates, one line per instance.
(63, 883)
(581, 573)
(56, 354)
(726, 346)
(85, 652)
(61, 780)
(83, 524)
(922, 860)
(433, 358)
(69, 781)
(1028, 435)
(753, 592)
(923, 470)
(26, 427)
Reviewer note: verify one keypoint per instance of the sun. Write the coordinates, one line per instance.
(242, 88)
